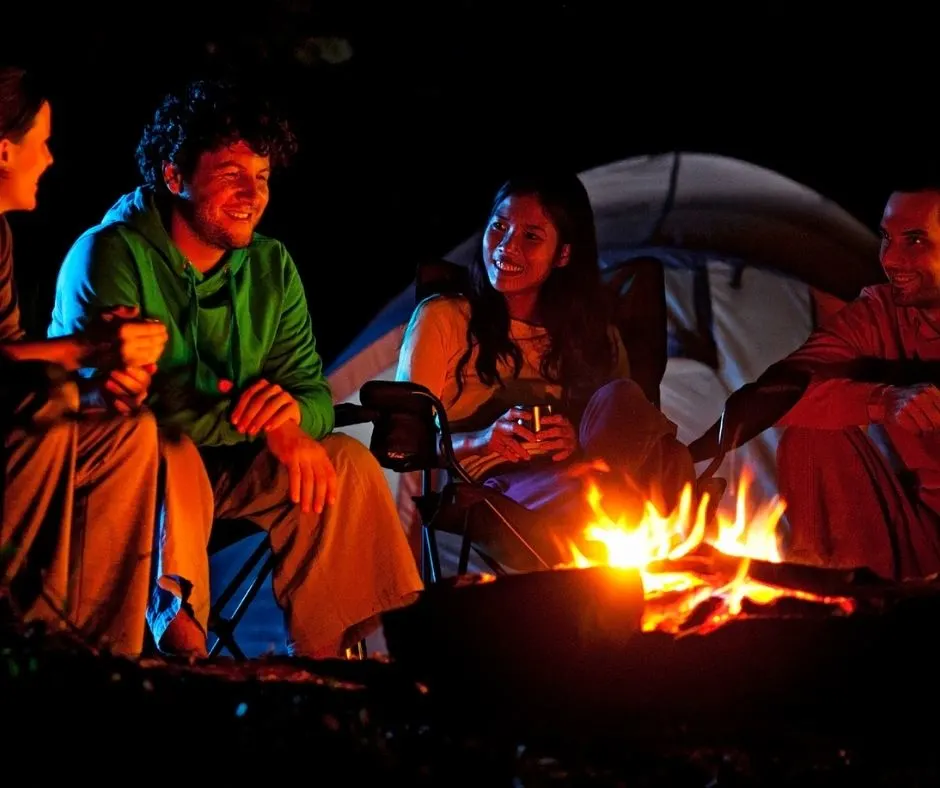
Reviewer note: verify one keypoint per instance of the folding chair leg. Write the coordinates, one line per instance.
(240, 577)
(494, 565)
(431, 562)
(464, 545)
(224, 629)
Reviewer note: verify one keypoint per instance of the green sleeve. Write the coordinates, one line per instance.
(98, 273)
(293, 362)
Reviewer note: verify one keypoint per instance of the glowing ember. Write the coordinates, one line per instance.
(676, 585)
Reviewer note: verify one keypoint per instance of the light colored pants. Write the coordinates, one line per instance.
(848, 506)
(79, 503)
(335, 572)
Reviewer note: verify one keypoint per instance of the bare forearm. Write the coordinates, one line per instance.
(67, 352)
(466, 444)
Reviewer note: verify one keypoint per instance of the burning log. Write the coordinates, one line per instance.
(697, 573)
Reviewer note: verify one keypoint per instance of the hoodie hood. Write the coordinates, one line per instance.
(139, 210)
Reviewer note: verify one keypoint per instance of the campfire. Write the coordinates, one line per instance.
(696, 575)
(663, 625)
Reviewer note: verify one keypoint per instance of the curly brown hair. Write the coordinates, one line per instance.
(208, 115)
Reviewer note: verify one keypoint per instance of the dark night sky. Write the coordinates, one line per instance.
(404, 142)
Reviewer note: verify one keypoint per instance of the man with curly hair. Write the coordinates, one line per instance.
(241, 378)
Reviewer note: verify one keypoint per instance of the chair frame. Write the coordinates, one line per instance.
(224, 627)
(430, 502)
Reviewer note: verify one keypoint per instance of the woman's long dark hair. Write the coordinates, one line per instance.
(572, 302)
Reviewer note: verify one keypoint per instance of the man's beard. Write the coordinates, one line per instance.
(924, 297)
(211, 232)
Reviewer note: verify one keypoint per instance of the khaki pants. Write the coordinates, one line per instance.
(335, 572)
(79, 501)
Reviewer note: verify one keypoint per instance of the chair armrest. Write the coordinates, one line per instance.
(346, 414)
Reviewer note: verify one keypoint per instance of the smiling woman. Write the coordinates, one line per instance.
(24, 136)
(60, 470)
(535, 327)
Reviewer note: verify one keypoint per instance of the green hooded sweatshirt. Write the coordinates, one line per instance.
(130, 260)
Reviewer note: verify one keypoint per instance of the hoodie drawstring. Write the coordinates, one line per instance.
(193, 325)
(234, 347)
(206, 380)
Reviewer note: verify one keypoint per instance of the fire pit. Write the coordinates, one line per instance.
(672, 629)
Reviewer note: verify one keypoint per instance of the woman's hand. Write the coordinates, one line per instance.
(119, 338)
(506, 435)
(558, 437)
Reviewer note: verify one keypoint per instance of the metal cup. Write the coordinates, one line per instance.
(538, 413)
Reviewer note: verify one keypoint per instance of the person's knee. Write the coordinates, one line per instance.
(143, 432)
(622, 402)
(831, 454)
(624, 389)
(181, 448)
(351, 457)
(796, 444)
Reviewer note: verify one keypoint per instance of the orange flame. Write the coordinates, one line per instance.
(673, 595)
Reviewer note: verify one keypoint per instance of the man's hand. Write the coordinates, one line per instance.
(119, 338)
(914, 408)
(126, 389)
(312, 476)
(264, 406)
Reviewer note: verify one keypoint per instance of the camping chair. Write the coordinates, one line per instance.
(260, 563)
(411, 433)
